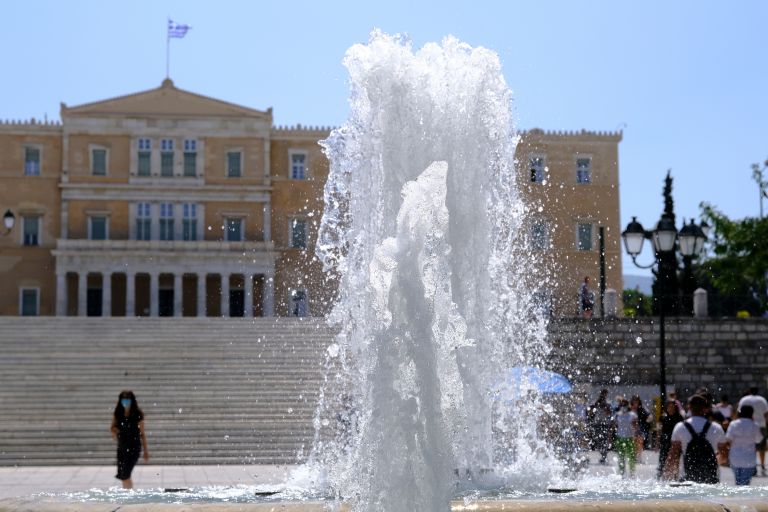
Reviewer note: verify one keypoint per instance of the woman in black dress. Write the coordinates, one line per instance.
(669, 419)
(128, 429)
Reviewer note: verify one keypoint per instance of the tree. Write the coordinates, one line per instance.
(738, 267)
(666, 289)
(636, 303)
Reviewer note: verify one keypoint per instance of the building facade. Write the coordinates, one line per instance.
(169, 203)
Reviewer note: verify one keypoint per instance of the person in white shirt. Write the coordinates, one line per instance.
(682, 438)
(724, 407)
(760, 417)
(742, 437)
(625, 422)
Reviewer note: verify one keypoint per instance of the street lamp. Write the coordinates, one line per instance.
(9, 219)
(691, 243)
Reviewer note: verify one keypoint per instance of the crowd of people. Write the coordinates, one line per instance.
(702, 434)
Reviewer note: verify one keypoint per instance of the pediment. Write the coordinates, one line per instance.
(164, 101)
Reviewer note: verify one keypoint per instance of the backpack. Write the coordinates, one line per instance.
(699, 461)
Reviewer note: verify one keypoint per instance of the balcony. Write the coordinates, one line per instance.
(163, 256)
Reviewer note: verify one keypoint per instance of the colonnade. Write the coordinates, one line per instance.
(267, 293)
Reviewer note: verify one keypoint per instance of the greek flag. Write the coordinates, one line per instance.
(177, 29)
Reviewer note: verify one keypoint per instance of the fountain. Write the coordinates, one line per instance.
(423, 230)
(422, 226)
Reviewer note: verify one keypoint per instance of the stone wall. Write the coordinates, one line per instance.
(726, 356)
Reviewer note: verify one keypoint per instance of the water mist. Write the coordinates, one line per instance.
(426, 234)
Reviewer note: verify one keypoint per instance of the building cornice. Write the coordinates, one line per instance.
(572, 135)
(169, 191)
(300, 132)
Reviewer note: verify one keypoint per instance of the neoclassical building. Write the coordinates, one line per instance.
(170, 203)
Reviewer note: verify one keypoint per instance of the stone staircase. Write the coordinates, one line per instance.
(213, 390)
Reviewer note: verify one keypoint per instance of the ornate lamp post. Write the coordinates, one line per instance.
(691, 240)
(9, 219)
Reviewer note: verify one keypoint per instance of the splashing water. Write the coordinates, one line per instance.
(423, 228)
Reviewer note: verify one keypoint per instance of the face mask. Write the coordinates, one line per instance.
(125, 402)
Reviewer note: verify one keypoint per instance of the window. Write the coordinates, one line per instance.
(584, 237)
(166, 157)
(166, 221)
(145, 157)
(234, 230)
(98, 228)
(99, 162)
(29, 302)
(299, 233)
(536, 165)
(299, 305)
(583, 170)
(189, 222)
(31, 161)
(298, 166)
(540, 236)
(190, 158)
(234, 169)
(143, 222)
(31, 230)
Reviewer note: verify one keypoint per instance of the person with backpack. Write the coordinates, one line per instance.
(701, 444)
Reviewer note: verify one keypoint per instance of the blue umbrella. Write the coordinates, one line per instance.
(522, 378)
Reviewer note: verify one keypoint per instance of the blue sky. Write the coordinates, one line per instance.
(687, 81)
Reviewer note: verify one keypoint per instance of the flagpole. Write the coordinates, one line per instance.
(168, 49)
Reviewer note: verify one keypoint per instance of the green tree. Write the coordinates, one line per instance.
(636, 303)
(738, 267)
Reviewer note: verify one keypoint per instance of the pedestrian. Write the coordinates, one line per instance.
(599, 416)
(128, 430)
(701, 444)
(673, 396)
(626, 432)
(725, 407)
(670, 418)
(587, 299)
(760, 417)
(643, 423)
(743, 436)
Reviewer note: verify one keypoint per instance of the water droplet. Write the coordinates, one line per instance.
(226, 437)
(180, 409)
(639, 340)
(617, 379)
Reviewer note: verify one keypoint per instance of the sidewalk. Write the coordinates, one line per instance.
(24, 481)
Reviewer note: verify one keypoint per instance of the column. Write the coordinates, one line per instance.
(63, 232)
(178, 293)
(268, 302)
(201, 297)
(130, 294)
(267, 229)
(61, 294)
(106, 294)
(154, 294)
(82, 293)
(225, 294)
(248, 278)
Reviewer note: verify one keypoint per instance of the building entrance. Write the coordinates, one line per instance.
(165, 302)
(237, 303)
(93, 304)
